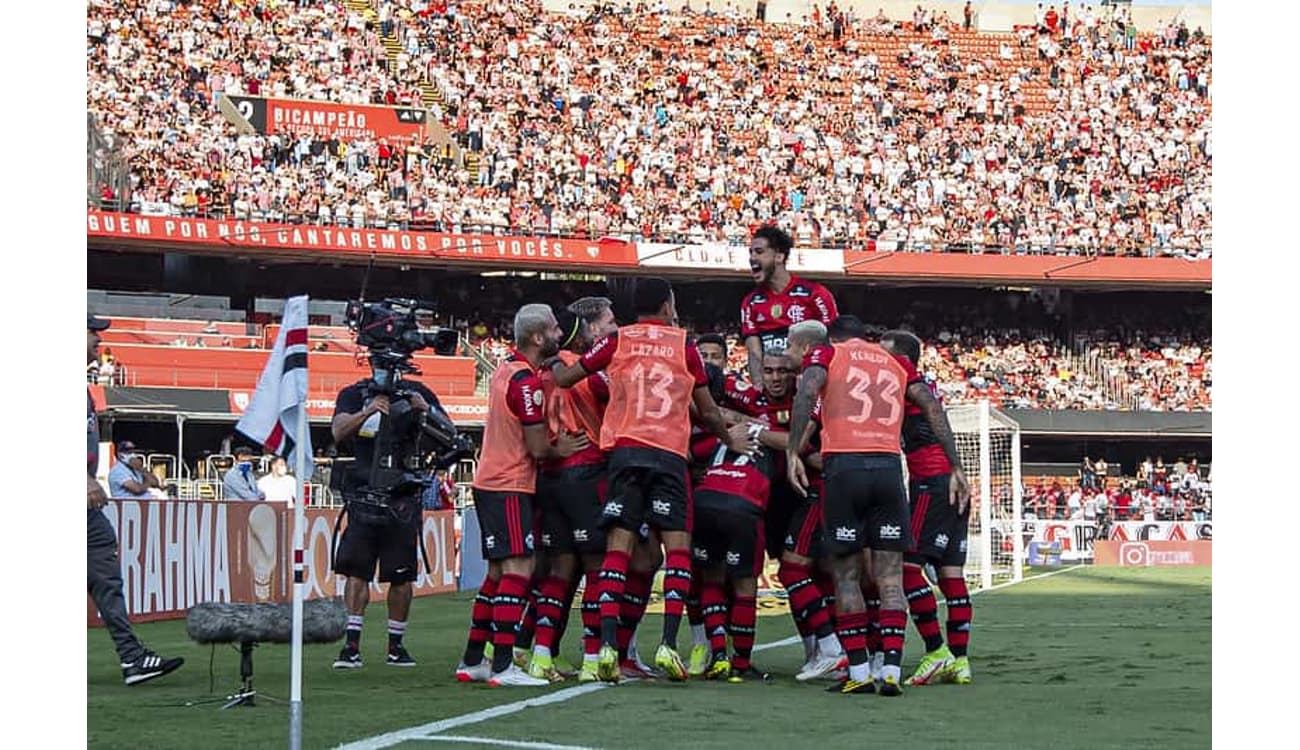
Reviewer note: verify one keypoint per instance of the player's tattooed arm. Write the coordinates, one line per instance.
(810, 385)
(919, 394)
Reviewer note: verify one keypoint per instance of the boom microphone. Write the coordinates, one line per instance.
(323, 621)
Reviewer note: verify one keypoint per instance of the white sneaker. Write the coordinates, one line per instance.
(478, 673)
(878, 666)
(820, 666)
(514, 676)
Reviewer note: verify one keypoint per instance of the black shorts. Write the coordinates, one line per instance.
(649, 486)
(387, 536)
(728, 531)
(937, 528)
(571, 501)
(803, 534)
(865, 504)
(782, 505)
(506, 522)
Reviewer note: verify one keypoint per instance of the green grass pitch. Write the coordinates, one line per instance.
(1090, 658)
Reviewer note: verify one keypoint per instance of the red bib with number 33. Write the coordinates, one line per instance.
(650, 389)
(864, 399)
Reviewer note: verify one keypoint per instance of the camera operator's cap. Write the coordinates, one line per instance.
(96, 324)
(242, 450)
(569, 323)
(125, 446)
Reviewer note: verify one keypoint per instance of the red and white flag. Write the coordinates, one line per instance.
(272, 414)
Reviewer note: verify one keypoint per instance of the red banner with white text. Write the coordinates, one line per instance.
(327, 120)
(166, 231)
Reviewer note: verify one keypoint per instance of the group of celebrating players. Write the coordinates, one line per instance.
(628, 448)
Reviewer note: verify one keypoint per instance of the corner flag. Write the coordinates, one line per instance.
(272, 417)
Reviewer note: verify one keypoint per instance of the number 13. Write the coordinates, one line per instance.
(661, 379)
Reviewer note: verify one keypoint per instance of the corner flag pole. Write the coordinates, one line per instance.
(299, 580)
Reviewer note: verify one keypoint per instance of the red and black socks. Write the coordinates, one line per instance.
(744, 617)
(550, 613)
(613, 580)
(714, 603)
(507, 609)
(677, 588)
(480, 622)
(959, 614)
(923, 606)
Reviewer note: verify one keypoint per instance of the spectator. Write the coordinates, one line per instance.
(128, 477)
(278, 485)
(1087, 474)
(239, 483)
(1124, 503)
(1101, 470)
(441, 492)
(1075, 504)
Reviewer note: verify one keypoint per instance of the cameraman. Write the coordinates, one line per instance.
(387, 533)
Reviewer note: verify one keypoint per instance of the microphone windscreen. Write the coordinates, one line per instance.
(323, 621)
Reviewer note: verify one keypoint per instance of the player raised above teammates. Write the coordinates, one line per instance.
(654, 377)
(939, 494)
(514, 440)
(864, 389)
(780, 300)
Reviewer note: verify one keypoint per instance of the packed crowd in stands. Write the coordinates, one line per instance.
(1133, 350)
(1180, 491)
(1082, 136)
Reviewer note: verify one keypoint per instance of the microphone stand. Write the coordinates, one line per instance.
(246, 694)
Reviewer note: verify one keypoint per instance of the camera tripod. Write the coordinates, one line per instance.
(245, 695)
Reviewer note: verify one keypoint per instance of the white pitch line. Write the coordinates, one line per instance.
(1027, 580)
(777, 644)
(423, 731)
(417, 733)
(501, 743)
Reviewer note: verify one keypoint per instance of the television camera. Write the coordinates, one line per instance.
(409, 444)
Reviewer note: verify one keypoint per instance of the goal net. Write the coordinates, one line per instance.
(989, 444)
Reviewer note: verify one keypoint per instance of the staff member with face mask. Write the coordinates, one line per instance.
(240, 483)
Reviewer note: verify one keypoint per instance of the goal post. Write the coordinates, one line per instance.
(989, 444)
